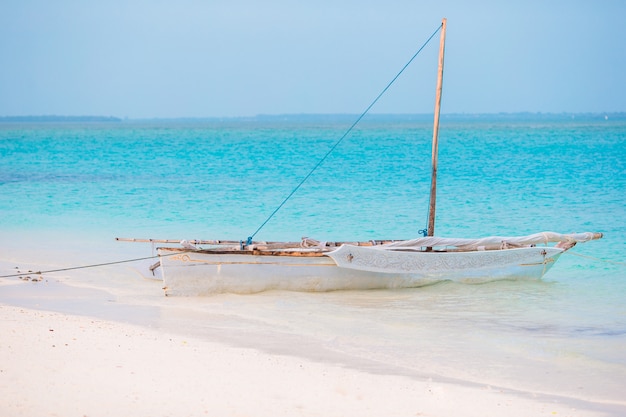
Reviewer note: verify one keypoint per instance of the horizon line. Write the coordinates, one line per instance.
(100, 118)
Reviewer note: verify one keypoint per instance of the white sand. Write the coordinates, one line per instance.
(53, 364)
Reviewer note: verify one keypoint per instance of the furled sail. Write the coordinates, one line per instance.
(492, 242)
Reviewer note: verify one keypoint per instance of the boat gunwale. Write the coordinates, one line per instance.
(320, 252)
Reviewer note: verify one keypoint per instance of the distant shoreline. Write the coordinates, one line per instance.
(308, 117)
(55, 119)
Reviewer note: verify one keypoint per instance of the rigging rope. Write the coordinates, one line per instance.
(596, 259)
(321, 161)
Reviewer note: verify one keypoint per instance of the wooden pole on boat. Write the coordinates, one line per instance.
(433, 180)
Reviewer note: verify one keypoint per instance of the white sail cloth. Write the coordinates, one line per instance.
(492, 242)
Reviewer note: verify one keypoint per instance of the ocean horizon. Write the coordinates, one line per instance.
(301, 117)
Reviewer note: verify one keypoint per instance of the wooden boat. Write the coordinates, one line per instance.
(208, 267)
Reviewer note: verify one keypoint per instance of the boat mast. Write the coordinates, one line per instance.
(433, 179)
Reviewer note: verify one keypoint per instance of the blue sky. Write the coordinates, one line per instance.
(215, 58)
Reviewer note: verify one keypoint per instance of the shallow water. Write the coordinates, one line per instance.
(67, 190)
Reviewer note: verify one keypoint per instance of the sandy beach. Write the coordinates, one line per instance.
(64, 365)
(61, 364)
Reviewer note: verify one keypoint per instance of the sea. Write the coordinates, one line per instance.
(68, 189)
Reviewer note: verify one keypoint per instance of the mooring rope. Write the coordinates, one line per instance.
(331, 150)
(20, 274)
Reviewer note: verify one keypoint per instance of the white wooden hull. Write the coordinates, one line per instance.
(204, 272)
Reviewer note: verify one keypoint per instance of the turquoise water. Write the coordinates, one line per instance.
(67, 190)
(225, 178)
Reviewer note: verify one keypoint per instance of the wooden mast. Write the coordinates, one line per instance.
(433, 179)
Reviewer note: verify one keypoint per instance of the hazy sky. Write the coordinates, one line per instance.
(204, 58)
